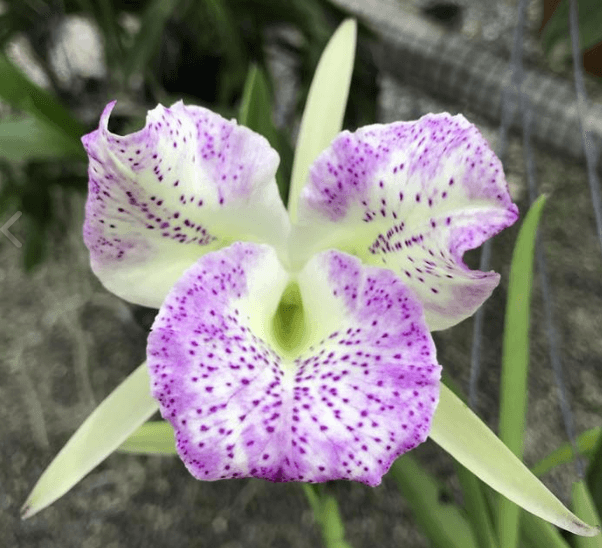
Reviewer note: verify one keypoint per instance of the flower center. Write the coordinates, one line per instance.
(289, 327)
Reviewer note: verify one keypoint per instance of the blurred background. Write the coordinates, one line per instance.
(67, 342)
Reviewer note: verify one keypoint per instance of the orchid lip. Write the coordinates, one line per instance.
(304, 379)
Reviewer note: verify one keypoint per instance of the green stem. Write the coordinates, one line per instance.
(326, 515)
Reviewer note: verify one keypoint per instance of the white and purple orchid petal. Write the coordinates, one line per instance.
(188, 183)
(412, 197)
(358, 390)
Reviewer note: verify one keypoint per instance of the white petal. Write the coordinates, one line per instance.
(412, 197)
(188, 183)
(359, 390)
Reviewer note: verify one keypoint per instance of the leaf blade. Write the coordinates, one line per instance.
(444, 523)
(29, 138)
(18, 91)
(515, 360)
(586, 444)
(584, 507)
(255, 112)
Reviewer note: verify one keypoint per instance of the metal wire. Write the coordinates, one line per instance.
(453, 68)
(509, 105)
(591, 147)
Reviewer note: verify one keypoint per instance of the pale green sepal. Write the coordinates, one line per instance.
(586, 444)
(120, 414)
(584, 507)
(515, 360)
(152, 438)
(442, 522)
(466, 438)
(325, 106)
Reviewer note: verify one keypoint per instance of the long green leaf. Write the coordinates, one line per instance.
(107, 19)
(146, 42)
(585, 508)
(540, 534)
(29, 138)
(325, 106)
(121, 413)
(476, 507)
(535, 532)
(466, 438)
(590, 25)
(443, 522)
(586, 444)
(515, 360)
(256, 114)
(594, 475)
(19, 92)
(333, 530)
(152, 438)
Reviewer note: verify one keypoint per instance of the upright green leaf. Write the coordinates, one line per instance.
(325, 106)
(146, 42)
(466, 438)
(442, 522)
(256, 114)
(586, 444)
(25, 139)
(107, 19)
(585, 508)
(515, 360)
(590, 25)
(19, 92)
(535, 532)
(594, 475)
(327, 515)
(109, 425)
(476, 507)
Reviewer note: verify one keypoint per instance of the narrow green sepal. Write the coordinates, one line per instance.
(325, 107)
(152, 438)
(120, 414)
(466, 438)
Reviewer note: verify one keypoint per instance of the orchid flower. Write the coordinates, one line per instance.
(294, 351)
(294, 344)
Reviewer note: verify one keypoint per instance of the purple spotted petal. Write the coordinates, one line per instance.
(362, 392)
(189, 182)
(412, 197)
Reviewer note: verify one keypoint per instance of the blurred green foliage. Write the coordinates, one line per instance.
(556, 38)
(156, 51)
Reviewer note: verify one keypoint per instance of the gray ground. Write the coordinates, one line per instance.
(67, 343)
